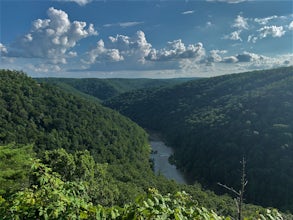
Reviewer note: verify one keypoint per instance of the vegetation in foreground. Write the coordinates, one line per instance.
(48, 195)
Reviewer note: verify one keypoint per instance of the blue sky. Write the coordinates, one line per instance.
(154, 39)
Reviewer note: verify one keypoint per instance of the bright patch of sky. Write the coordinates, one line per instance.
(156, 39)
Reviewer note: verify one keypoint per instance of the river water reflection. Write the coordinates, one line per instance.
(161, 163)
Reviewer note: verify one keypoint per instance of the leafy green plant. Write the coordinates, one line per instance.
(51, 198)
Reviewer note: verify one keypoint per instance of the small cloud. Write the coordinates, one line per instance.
(230, 59)
(72, 54)
(3, 49)
(252, 38)
(79, 2)
(124, 24)
(248, 57)
(109, 25)
(187, 12)
(228, 1)
(274, 31)
(130, 24)
(245, 57)
(209, 24)
(240, 22)
(264, 21)
(235, 35)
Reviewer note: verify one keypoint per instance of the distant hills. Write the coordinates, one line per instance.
(212, 123)
(104, 89)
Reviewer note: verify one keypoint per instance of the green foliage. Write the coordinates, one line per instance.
(50, 118)
(15, 162)
(49, 197)
(172, 206)
(52, 198)
(269, 214)
(212, 123)
(99, 184)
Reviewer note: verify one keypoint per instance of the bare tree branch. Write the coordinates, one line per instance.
(244, 182)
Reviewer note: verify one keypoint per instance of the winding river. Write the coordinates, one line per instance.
(161, 162)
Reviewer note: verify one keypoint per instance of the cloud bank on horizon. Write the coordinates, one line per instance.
(156, 39)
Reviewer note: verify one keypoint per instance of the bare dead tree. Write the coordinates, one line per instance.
(240, 193)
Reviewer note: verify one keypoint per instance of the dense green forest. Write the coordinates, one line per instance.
(212, 123)
(104, 89)
(49, 119)
(65, 156)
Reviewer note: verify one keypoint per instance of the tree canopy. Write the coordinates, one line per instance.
(213, 123)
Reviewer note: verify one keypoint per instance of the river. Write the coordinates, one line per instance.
(161, 162)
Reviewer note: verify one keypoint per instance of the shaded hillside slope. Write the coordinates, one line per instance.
(107, 88)
(213, 123)
(49, 118)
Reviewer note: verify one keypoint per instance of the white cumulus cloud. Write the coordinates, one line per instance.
(135, 52)
(252, 38)
(135, 48)
(52, 38)
(235, 35)
(3, 49)
(274, 31)
(120, 48)
(215, 56)
(240, 22)
(101, 54)
(177, 50)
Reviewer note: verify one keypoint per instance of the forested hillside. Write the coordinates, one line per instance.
(213, 123)
(50, 119)
(107, 88)
(67, 157)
